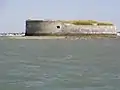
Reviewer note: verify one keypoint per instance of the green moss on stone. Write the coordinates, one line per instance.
(88, 22)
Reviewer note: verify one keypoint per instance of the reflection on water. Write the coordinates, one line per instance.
(59, 65)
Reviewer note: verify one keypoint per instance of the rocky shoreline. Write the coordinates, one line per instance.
(61, 37)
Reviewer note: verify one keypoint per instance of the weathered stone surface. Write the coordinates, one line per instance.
(35, 28)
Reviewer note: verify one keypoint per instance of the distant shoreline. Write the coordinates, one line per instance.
(61, 37)
(37, 37)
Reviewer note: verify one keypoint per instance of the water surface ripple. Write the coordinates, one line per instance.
(59, 65)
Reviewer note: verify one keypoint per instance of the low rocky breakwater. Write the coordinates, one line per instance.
(80, 37)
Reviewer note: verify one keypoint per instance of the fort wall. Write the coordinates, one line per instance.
(40, 27)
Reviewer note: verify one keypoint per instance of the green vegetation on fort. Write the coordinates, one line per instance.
(88, 22)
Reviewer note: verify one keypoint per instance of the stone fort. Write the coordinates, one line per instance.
(47, 27)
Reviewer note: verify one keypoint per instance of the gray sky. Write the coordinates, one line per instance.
(13, 13)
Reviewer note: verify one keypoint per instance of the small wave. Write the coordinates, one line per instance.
(32, 66)
(33, 83)
(68, 57)
(11, 54)
(22, 46)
